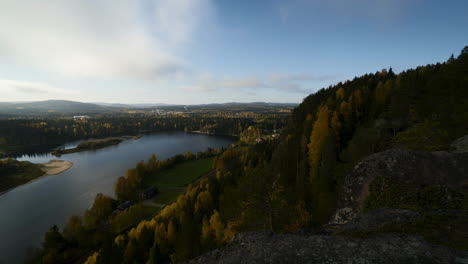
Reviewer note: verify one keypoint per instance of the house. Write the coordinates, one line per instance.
(124, 206)
(80, 117)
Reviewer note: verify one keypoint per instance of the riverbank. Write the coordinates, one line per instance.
(94, 144)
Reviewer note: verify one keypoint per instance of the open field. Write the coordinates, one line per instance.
(172, 182)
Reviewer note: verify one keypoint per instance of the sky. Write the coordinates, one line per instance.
(207, 51)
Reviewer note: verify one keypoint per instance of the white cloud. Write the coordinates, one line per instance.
(295, 83)
(17, 90)
(104, 38)
(178, 19)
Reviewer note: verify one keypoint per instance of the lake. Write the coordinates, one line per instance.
(29, 210)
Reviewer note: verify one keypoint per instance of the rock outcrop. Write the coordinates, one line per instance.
(460, 145)
(411, 169)
(355, 236)
(377, 218)
(268, 247)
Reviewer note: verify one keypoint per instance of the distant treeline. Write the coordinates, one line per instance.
(93, 144)
(59, 130)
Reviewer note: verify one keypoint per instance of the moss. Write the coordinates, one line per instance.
(439, 224)
(443, 227)
(385, 192)
(446, 227)
(425, 136)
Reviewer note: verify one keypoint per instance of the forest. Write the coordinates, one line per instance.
(14, 173)
(284, 184)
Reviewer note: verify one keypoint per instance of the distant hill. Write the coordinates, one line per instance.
(52, 106)
(58, 107)
(131, 105)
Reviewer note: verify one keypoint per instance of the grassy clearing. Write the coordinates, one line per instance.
(182, 174)
(166, 196)
(172, 182)
(150, 210)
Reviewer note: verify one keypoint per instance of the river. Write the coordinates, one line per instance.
(29, 210)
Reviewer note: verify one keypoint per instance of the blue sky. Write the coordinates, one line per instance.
(204, 51)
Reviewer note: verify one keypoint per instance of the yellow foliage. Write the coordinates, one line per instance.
(335, 122)
(136, 231)
(92, 259)
(119, 240)
(217, 226)
(206, 229)
(204, 202)
(356, 102)
(171, 232)
(340, 94)
(230, 230)
(188, 155)
(318, 140)
(160, 233)
(383, 91)
(321, 150)
(302, 218)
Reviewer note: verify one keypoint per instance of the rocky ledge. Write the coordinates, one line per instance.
(412, 170)
(268, 247)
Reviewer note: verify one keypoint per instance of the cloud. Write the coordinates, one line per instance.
(15, 90)
(100, 39)
(179, 19)
(295, 83)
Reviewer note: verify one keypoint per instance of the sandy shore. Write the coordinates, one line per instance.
(56, 166)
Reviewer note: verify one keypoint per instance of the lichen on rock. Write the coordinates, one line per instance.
(460, 145)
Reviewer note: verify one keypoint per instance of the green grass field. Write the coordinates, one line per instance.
(166, 196)
(173, 181)
(150, 210)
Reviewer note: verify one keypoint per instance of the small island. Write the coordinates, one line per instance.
(94, 144)
(14, 172)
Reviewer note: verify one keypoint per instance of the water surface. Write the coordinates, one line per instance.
(29, 210)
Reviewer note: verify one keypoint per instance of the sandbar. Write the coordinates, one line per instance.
(54, 166)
